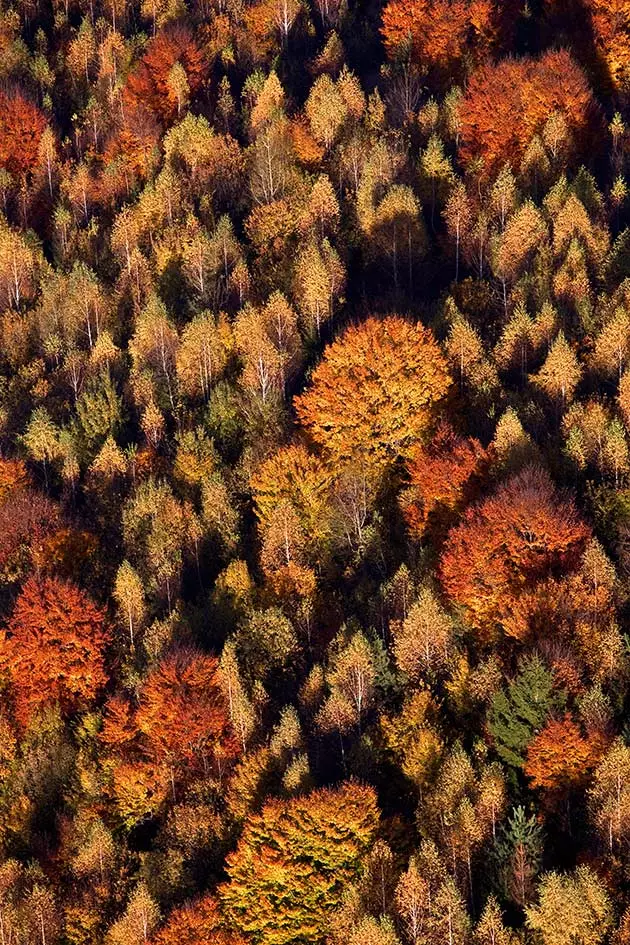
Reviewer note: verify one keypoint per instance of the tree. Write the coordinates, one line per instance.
(129, 595)
(198, 922)
(519, 850)
(149, 85)
(571, 907)
(560, 758)
(153, 348)
(496, 561)
(186, 684)
(519, 712)
(429, 903)
(306, 850)
(609, 797)
(326, 110)
(561, 372)
(203, 353)
(442, 476)
(437, 32)
(490, 929)
(295, 477)
(351, 677)
(507, 103)
(139, 920)
(21, 127)
(424, 645)
(375, 392)
(53, 649)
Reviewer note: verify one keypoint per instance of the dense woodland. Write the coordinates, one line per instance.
(314, 472)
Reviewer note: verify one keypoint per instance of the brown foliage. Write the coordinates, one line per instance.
(438, 32)
(560, 758)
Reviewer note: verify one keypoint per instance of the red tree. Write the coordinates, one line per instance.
(21, 127)
(53, 648)
(496, 561)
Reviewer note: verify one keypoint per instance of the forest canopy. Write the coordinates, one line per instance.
(314, 472)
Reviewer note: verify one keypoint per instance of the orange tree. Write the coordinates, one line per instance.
(376, 391)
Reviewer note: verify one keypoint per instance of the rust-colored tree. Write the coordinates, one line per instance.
(495, 563)
(507, 103)
(151, 83)
(21, 127)
(186, 686)
(442, 477)
(53, 648)
(197, 923)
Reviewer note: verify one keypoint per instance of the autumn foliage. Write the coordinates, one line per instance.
(301, 851)
(439, 32)
(442, 476)
(21, 127)
(185, 685)
(376, 391)
(53, 648)
(496, 561)
(507, 103)
(151, 85)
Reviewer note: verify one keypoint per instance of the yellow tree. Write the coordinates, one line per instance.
(571, 908)
(301, 853)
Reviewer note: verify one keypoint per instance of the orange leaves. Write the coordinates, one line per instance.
(437, 32)
(53, 648)
(441, 477)
(496, 562)
(21, 127)
(185, 686)
(560, 757)
(375, 392)
(149, 86)
(507, 103)
(196, 923)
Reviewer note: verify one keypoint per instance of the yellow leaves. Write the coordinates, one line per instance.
(561, 372)
(326, 110)
(206, 345)
(524, 232)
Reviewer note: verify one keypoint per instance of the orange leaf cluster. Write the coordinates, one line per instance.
(148, 85)
(21, 127)
(441, 480)
(196, 923)
(560, 758)
(375, 391)
(185, 686)
(496, 562)
(438, 32)
(508, 102)
(53, 648)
